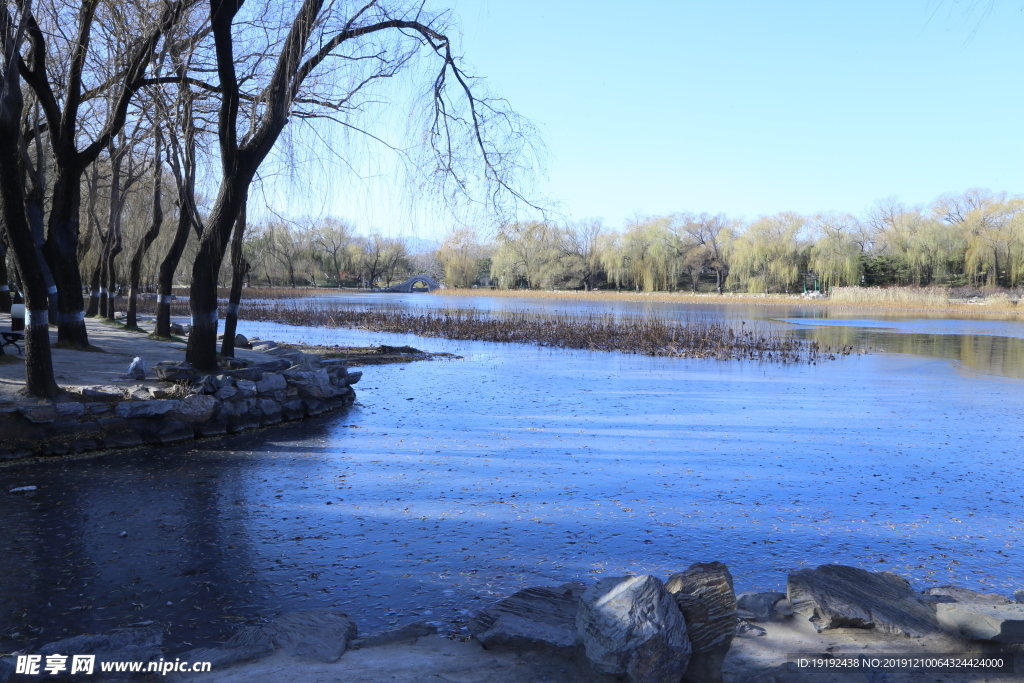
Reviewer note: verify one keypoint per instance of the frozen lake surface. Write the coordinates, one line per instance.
(451, 483)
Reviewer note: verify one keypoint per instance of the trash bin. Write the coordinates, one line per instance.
(17, 317)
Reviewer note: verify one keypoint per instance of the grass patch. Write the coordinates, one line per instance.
(173, 338)
(11, 359)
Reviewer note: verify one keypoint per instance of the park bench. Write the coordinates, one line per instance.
(11, 339)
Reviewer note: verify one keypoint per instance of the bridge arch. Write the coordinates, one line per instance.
(407, 286)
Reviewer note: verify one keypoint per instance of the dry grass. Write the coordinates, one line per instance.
(650, 335)
(885, 298)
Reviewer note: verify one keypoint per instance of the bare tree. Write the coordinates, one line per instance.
(64, 103)
(323, 38)
(39, 379)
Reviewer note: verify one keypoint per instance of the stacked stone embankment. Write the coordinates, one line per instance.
(289, 385)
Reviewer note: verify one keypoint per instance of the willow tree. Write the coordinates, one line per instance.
(836, 252)
(460, 254)
(334, 58)
(767, 256)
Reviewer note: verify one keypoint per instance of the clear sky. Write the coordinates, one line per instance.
(751, 107)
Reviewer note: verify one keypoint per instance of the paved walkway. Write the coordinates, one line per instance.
(89, 368)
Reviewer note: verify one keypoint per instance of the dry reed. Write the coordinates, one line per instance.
(650, 335)
(841, 298)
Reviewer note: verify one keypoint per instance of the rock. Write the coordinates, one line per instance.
(119, 315)
(177, 329)
(957, 594)
(265, 346)
(241, 342)
(354, 377)
(271, 383)
(252, 374)
(207, 384)
(67, 410)
(983, 620)
(273, 364)
(39, 414)
(102, 393)
(751, 605)
(749, 630)
(133, 409)
(246, 388)
(139, 392)
(271, 410)
(234, 363)
(1018, 595)
(539, 618)
(294, 409)
(401, 634)
(175, 371)
(705, 596)
(197, 408)
(319, 634)
(757, 606)
(836, 596)
(225, 393)
(119, 645)
(312, 384)
(136, 369)
(631, 625)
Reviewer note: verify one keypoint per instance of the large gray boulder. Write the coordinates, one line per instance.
(119, 645)
(321, 635)
(539, 618)
(175, 371)
(957, 594)
(983, 621)
(133, 409)
(705, 596)
(631, 626)
(837, 596)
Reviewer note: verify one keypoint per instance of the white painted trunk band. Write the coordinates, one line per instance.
(72, 317)
(211, 318)
(161, 299)
(37, 317)
(94, 294)
(233, 309)
(52, 289)
(4, 288)
(103, 290)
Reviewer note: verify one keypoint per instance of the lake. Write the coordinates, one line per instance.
(453, 482)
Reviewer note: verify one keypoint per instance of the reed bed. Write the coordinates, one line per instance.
(839, 298)
(649, 335)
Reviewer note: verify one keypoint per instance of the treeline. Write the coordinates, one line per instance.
(975, 238)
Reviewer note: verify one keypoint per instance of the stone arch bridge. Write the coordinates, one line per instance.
(407, 286)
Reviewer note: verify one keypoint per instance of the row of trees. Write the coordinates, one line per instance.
(973, 238)
(118, 116)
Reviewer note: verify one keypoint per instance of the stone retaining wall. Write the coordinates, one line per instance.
(212, 405)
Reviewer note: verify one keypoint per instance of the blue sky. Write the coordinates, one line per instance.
(749, 107)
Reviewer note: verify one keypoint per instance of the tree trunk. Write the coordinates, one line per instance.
(94, 289)
(239, 269)
(5, 279)
(135, 269)
(61, 250)
(202, 341)
(39, 379)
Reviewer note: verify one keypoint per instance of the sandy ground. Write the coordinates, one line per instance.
(89, 368)
(758, 659)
